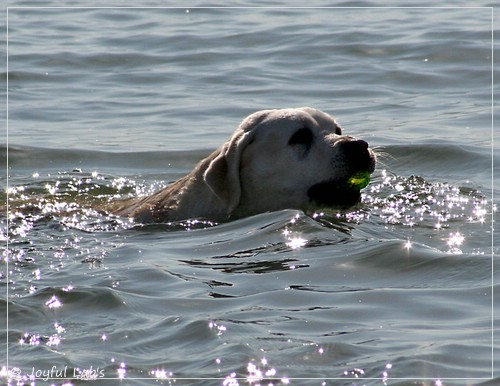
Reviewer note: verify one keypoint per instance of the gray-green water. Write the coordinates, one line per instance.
(109, 102)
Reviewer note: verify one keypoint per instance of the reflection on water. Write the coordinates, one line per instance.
(120, 102)
(412, 201)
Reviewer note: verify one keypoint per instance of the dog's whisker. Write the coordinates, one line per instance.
(379, 153)
(381, 164)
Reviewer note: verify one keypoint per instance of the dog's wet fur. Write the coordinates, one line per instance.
(276, 159)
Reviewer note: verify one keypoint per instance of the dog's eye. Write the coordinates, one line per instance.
(302, 136)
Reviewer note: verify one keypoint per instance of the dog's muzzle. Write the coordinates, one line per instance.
(339, 192)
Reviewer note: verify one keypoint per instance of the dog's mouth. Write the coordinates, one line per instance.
(345, 192)
(333, 194)
(341, 193)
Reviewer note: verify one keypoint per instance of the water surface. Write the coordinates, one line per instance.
(107, 103)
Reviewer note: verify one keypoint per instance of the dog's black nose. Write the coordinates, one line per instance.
(355, 146)
(358, 154)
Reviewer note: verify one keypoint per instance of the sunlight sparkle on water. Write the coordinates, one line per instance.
(257, 376)
(122, 371)
(53, 302)
(455, 241)
(31, 339)
(293, 242)
(480, 213)
(52, 189)
(270, 372)
(161, 374)
(59, 329)
(54, 340)
(221, 329)
(356, 373)
(254, 373)
(296, 242)
(413, 201)
(385, 374)
(230, 380)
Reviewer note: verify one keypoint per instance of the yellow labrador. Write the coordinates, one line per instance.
(276, 159)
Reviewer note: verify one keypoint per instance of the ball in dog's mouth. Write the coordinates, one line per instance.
(340, 193)
(359, 180)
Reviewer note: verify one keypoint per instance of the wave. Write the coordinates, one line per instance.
(438, 156)
(34, 158)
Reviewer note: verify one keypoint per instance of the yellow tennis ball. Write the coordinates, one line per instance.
(359, 180)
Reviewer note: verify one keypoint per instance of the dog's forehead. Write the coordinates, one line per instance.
(289, 119)
(292, 119)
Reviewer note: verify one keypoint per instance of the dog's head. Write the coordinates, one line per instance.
(288, 159)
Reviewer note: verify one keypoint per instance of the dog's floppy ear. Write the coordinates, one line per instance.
(223, 173)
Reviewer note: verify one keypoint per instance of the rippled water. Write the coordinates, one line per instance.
(107, 103)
